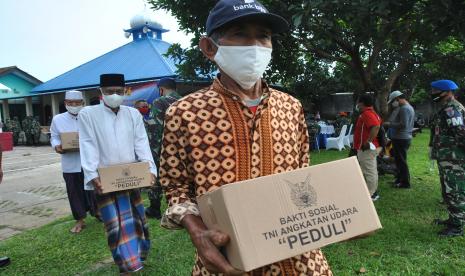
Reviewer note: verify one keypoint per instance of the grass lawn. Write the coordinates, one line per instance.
(407, 244)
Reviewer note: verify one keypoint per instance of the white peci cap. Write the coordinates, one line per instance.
(73, 95)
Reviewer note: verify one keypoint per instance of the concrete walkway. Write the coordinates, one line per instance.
(33, 192)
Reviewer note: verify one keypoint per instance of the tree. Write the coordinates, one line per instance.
(446, 59)
(374, 42)
(377, 40)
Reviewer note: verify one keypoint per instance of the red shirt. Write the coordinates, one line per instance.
(367, 119)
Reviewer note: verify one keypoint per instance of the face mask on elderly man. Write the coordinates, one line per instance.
(244, 64)
(74, 101)
(113, 100)
(73, 109)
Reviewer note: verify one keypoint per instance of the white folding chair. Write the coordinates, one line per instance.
(347, 141)
(337, 142)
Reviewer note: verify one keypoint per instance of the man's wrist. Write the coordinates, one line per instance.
(193, 225)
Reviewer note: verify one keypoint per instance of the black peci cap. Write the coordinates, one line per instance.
(227, 11)
(107, 80)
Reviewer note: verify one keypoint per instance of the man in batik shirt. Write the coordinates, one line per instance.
(237, 129)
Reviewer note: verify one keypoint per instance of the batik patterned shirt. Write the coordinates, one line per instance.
(212, 138)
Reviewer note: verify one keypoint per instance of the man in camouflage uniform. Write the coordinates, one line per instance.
(151, 128)
(35, 126)
(313, 130)
(167, 88)
(448, 148)
(28, 130)
(15, 127)
(341, 120)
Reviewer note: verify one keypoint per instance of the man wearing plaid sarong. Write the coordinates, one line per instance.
(113, 134)
(126, 228)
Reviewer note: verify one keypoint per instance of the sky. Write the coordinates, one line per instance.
(46, 38)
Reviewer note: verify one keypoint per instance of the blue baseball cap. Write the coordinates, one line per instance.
(444, 85)
(227, 11)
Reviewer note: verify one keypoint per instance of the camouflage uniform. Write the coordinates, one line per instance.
(28, 130)
(154, 127)
(313, 130)
(448, 148)
(7, 125)
(15, 127)
(340, 122)
(35, 126)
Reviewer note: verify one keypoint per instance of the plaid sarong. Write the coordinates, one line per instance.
(126, 228)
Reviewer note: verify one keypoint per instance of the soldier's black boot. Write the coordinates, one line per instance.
(451, 231)
(154, 194)
(439, 221)
(152, 212)
(4, 261)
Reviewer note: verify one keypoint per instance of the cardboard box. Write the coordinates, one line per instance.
(70, 141)
(276, 217)
(125, 177)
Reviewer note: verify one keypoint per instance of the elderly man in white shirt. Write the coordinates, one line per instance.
(111, 134)
(80, 201)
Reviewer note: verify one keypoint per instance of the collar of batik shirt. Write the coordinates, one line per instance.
(217, 86)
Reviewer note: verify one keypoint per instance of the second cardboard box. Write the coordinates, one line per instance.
(125, 177)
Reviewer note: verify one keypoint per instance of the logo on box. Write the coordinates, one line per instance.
(126, 172)
(303, 195)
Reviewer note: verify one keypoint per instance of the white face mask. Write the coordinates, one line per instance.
(113, 100)
(395, 104)
(74, 109)
(244, 64)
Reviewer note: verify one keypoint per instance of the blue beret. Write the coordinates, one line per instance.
(444, 85)
(227, 11)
